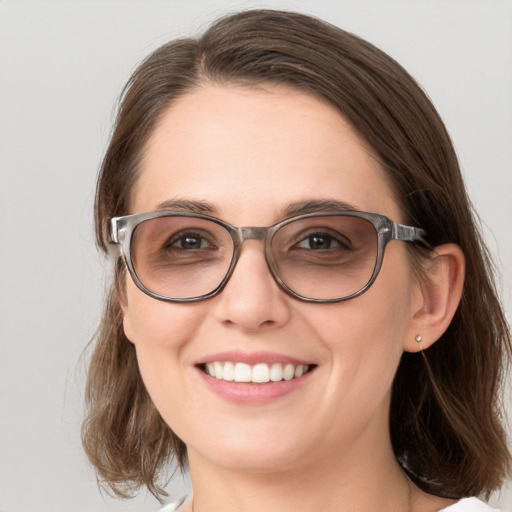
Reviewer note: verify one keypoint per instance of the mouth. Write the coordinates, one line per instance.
(260, 373)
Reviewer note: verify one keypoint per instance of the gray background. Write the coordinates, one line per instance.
(62, 65)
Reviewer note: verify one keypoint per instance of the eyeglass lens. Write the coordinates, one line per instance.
(318, 257)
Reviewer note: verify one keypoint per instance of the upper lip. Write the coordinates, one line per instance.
(251, 358)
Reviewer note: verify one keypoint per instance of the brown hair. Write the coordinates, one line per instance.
(445, 419)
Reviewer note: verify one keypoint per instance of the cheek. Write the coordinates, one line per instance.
(365, 335)
(150, 323)
(375, 322)
(365, 342)
(160, 332)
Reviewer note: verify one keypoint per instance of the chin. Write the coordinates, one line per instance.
(247, 456)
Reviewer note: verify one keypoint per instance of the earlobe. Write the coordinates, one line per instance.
(122, 298)
(127, 325)
(440, 287)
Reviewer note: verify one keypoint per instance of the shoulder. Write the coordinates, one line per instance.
(469, 505)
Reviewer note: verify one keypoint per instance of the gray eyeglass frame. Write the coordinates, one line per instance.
(122, 229)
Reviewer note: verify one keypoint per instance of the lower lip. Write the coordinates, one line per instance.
(247, 393)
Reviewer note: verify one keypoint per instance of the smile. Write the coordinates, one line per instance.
(260, 373)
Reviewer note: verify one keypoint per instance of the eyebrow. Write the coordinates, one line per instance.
(291, 210)
(188, 206)
(316, 205)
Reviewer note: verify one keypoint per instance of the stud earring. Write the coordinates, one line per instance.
(418, 339)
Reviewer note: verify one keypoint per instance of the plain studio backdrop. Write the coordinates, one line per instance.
(62, 66)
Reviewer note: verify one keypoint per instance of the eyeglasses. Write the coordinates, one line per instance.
(316, 257)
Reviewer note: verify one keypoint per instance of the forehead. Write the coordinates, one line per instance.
(255, 150)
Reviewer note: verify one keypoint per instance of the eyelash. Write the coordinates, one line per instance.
(183, 235)
(341, 241)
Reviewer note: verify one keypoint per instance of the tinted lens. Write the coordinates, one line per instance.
(181, 257)
(327, 257)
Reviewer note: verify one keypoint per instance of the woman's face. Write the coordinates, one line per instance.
(252, 154)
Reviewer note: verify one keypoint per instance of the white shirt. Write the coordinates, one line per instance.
(469, 505)
(464, 505)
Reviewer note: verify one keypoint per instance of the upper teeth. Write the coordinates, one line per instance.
(260, 373)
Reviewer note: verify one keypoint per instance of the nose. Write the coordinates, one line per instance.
(251, 300)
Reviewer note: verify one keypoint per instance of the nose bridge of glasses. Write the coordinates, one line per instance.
(252, 233)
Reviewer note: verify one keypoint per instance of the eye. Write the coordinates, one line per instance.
(188, 240)
(323, 241)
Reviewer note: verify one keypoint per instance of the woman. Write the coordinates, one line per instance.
(303, 310)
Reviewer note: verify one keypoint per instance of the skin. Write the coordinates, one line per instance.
(250, 153)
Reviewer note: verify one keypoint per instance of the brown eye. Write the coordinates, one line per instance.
(322, 241)
(188, 241)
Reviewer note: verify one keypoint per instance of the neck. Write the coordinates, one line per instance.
(357, 474)
(356, 482)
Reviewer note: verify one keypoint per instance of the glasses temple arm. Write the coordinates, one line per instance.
(113, 231)
(407, 233)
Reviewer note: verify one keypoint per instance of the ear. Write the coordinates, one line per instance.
(122, 297)
(127, 327)
(127, 324)
(439, 293)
